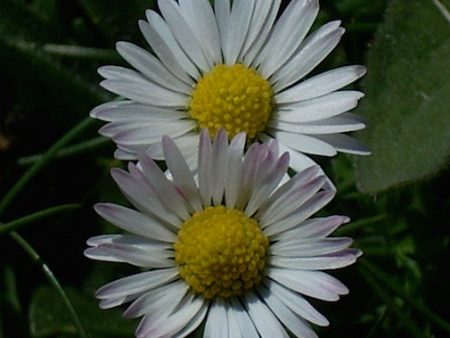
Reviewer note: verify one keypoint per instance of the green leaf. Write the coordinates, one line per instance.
(407, 102)
(48, 315)
(117, 19)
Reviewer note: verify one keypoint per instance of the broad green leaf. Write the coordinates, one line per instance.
(48, 316)
(407, 96)
(117, 19)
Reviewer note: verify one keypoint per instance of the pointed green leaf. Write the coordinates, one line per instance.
(407, 96)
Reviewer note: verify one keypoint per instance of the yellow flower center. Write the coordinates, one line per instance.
(235, 98)
(221, 252)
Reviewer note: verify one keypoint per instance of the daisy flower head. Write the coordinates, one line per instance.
(232, 65)
(233, 248)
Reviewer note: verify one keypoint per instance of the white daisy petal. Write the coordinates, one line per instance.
(160, 26)
(133, 250)
(164, 45)
(219, 161)
(316, 203)
(342, 123)
(246, 325)
(315, 228)
(315, 284)
(265, 321)
(101, 255)
(304, 143)
(345, 144)
(321, 84)
(307, 247)
(200, 17)
(124, 155)
(274, 201)
(260, 16)
(141, 135)
(109, 106)
(193, 324)
(234, 170)
(320, 108)
(129, 240)
(151, 67)
(131, 112)
(186, 143)
(113, 128)
(171, 325)
(184, 34)
(216, 322)
(287, 35)
(135, 222)
(137, 284)
(249, 169)
(205, 168)
(294, 199)
(267, 185)
(331, 261)
(142, 257)
(234, 330)
(106, 304)
(143, 91)
(222, 10)
(297, 303)
(159, 302)
(172, 199)
(298, 161)
(313, 50)
(142, 196)
(119, 73)
(259, 30)
(295, 324)
(181, 173)
(240, 16)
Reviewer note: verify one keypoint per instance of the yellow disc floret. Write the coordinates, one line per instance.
(221, 252)
(235, 98)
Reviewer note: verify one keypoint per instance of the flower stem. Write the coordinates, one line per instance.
(20, 222)
(72, 51)
(68, 151)
(53, 281)
(38, 165)
(80, 52)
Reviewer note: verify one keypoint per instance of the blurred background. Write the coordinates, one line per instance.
(397, 198)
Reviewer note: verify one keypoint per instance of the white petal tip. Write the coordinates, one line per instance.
(360, 70)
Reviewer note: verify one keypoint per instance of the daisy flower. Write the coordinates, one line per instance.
(235, 250)
(232, 66)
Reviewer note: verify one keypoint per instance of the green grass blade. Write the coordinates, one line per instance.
(53, 281)
(34, 217)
